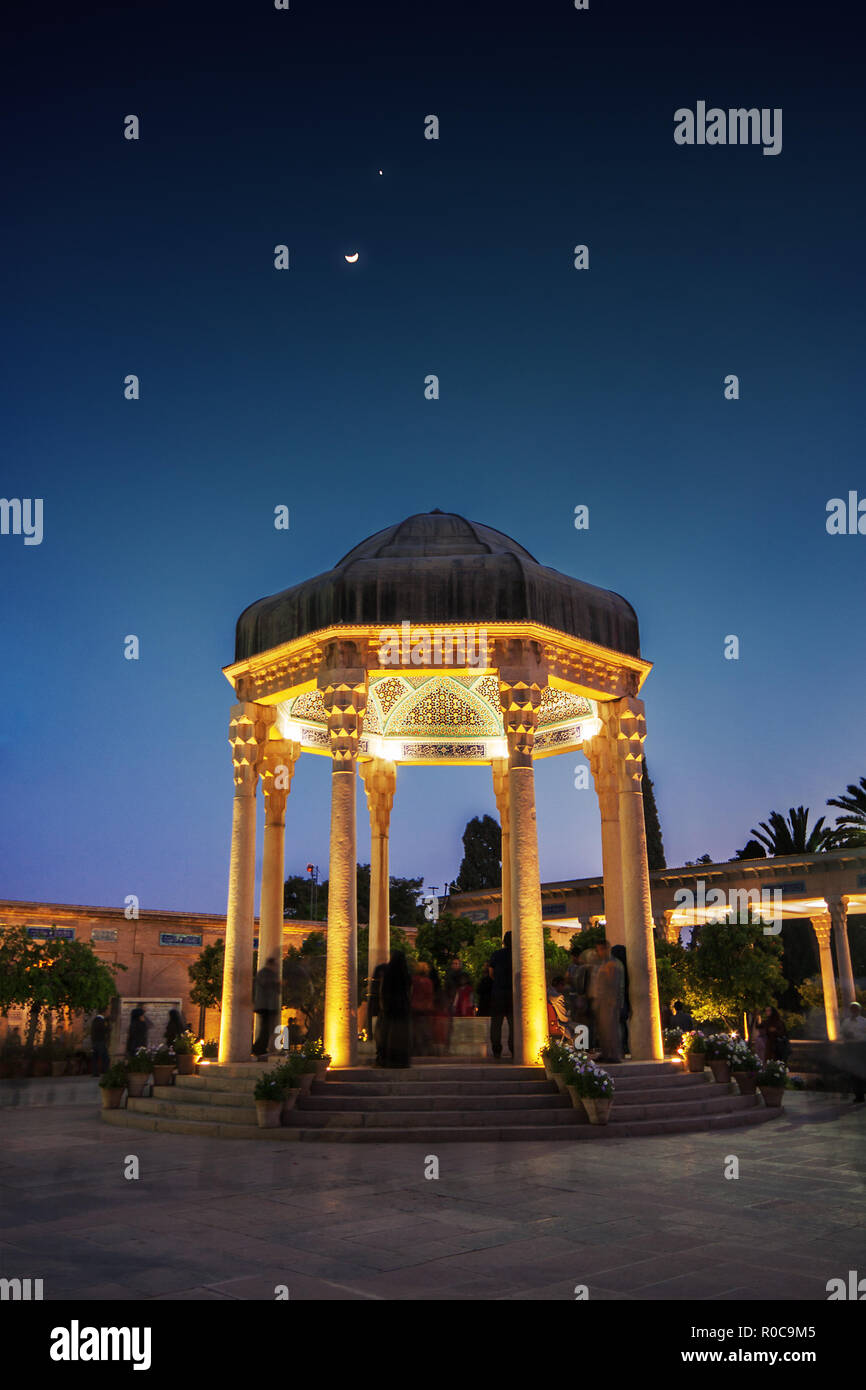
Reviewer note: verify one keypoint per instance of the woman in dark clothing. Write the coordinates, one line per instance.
(619, 953)
(176, 1025)
(772, 1030)
(484, 992)
(396, 993)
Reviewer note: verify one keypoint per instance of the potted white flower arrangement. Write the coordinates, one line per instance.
(187, 1050)
(771, 1082)
(314, 1051)
(595, 1088)
(556, 1058)
(718, 1050)
(139, 1067)
(745, 1066)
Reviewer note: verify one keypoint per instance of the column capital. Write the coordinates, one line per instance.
(276, 770)
(342, 680)
(822, 924)
(248, 732)
(522, 681)
(380, 782)
(624, 722)
(837, 905)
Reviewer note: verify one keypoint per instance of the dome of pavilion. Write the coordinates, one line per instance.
(438, 568)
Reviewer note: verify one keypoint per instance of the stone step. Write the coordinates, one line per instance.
(710, 1105)
(509, 1133)
(240, 1085)
(238, 1100)
(423, 1075)
(179, 1110)
(324, 1101)
(431, 1119)
(382, 1087)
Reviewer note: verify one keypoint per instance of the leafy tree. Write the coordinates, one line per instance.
(733, 970)
(297, 900)
(44, 976)
(404, 893)
(654, 844)
(556, 957)
(791, 834)
(852, 825)
(811, 992)
(481, 866)
(206, 975)
(752, 850)
(476, 954)
(670, 971)
(439, 942)
(702, 859)
(304, 981)
(590, 936)
(399, 942)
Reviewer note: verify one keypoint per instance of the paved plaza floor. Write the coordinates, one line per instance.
(652, 1218)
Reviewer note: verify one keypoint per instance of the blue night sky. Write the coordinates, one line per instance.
(306, 388)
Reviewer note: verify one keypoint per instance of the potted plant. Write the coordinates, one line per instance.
(694, 1049)
(210, 1050)
(745, 1066)
(139, 1066)
(595, 1087)
(187, 1050)
(771, 1082)
(269, 1095)
(673, 1038)
(718, 1055)
(569, 1076)
(163, 1066)
(315, 1051)
(307, 1067)
(112, 1084)
(552, 1057)
(288, 1074)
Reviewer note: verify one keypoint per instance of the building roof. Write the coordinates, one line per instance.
(437, 568)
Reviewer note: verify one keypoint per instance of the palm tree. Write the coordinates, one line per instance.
(792, 835)
(851, 828)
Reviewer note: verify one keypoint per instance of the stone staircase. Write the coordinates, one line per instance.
(445, 1102)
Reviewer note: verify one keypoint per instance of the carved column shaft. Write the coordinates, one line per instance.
(344, 697)
(248, 728)
(603, 769)
(838, 909)
(501, 791)
(380, 780)
(277, 769)
(823, 926)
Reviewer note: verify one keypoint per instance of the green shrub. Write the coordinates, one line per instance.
(140, 1062)
(115, 1078)
(270, 1087)
(186, 1043)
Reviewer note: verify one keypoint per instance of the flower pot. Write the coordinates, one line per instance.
(559, 1078)
(137, 1083)
(186, 1064)
(111, 1097)
(597, 1108)
(696, 1061)
(321, 1069)
(162, 1075)
(288, 1103)
(772, 1094)
(58, 1068)
(305, 1081)
(747, 1081)
(549, 1072)
(41, 1068)
(577, 1102)
(268, 1113)
(721, 1069)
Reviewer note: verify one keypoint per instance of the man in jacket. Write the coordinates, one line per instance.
(267, 997)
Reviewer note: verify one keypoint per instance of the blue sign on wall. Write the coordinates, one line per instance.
(51, 933)
(104, 934)
(173, 938)
(787, 890)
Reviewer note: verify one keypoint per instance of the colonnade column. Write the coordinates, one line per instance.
(822, 926)
(522, 679)
(380, 781)
(248, 731)
(277, 767)
(838, 909)
(501, 791)
(624, 723)
(603, 768)
(344, 695)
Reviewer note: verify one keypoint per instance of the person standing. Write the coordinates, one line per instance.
(267, 997)
(422, 1010)
(502, 997)
(99, 1038)
(618, 953)
(483, 992)
(607, 993)
(139, 1027)
(396, 997)
(374, 1009)
(176, 1025)
(853, 1031)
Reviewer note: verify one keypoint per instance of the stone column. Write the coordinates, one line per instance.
(522, 679)
(823, 926)
(380, 780)
(500, 788)
(599, 754)
(625, 726)
(277, 767)
(344, 694)
(838, 909)
(248, 731)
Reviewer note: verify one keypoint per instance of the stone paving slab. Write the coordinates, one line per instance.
(649, 1221)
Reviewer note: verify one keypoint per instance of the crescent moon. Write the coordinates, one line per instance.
(352, 259)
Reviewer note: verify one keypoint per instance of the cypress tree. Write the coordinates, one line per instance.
(655, 849)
